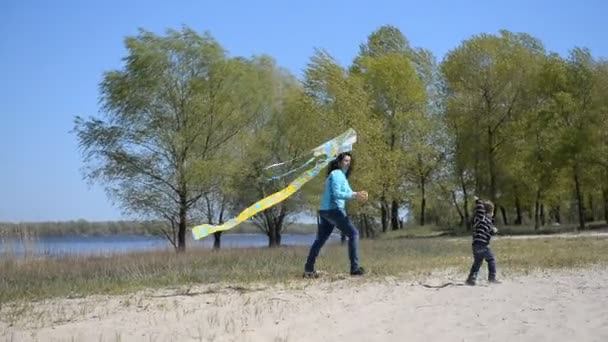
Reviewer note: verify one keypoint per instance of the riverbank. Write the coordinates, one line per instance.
(36, 278)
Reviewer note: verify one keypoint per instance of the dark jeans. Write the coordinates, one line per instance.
(481, 252)
(328, 219)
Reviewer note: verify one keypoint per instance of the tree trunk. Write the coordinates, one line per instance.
(361, 226)
(519, 218)
(217, 240)
(536, 215)
(183, 217)
(395, 215)
(274, 237)
(478, 182)
(542, 215)
(278, 238)
(591, 209)
(504, 215)
(492, 165)
(558, 214)
(422, 208)
(460, 214)
(371, 233)
(384, 214)
(217, 236)
(274, 224)
(365, 228)
(467, 220)
(579, 198)
(605, 194)
(537, 211)
(423, 200)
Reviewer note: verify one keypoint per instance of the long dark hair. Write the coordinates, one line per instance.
(333, 165)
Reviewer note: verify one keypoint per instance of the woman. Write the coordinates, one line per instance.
(332, 214)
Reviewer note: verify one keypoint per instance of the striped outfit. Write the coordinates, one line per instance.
(482, 225)
(482, 234)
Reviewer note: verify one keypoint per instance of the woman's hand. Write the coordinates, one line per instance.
(361, 196)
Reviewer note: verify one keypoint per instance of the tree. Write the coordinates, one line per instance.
(386, 40)
(600, 153)
(277, 136)
(539, 160)
(487, 78)
(577, 111)
(398, 97)
(339, 101)
(177, 101)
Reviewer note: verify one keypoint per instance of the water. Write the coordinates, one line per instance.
(105, 245)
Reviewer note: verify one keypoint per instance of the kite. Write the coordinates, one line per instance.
(321, 157)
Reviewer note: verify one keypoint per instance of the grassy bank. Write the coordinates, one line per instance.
(435, 231)
(88, 228)
(38, 278)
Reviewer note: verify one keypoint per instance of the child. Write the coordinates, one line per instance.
(483, 229)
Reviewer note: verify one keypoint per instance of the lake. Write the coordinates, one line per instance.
(105, 245)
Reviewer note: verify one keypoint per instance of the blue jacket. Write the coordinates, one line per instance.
(337, 191)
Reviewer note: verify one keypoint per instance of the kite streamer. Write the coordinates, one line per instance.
(322, 154)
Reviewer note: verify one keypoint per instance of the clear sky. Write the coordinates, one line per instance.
(53, 54)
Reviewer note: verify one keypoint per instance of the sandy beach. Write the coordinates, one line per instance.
(563, 305)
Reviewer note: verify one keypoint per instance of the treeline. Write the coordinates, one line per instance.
(105, 228)
(81, 227)
(187, 129)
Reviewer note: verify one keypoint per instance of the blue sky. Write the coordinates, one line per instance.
(53, 54)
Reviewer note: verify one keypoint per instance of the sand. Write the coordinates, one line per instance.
(564, 305)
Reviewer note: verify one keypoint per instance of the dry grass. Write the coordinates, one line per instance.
(33, 279)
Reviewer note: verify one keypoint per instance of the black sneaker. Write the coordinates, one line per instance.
(311, 275)
(494, 281)
(470, 282)
(359, 272)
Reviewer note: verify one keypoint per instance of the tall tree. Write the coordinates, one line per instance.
(600, 153)
(176, 101)
(576, 109)
(487, 78)
(392, 73)
(278, 135)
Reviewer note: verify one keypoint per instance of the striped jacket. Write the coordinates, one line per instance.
(483, 228)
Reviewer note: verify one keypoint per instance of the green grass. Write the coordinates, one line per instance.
(548, 230)
(30, 279)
